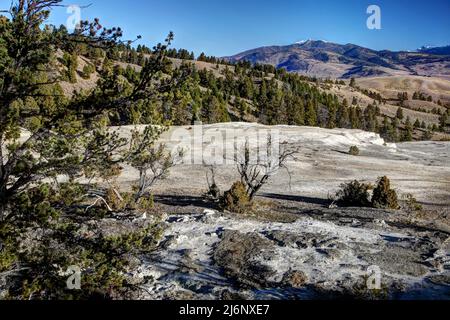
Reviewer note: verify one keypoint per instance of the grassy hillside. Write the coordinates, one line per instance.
(212, 90)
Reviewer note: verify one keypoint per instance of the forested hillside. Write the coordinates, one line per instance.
(211, 90)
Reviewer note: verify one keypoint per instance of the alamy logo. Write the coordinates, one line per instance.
(74, 20)
(374, 20)
(74, 280)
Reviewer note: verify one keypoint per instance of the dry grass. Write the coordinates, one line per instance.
(389, 86)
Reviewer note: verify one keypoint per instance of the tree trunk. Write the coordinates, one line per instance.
(2, 210)
(2, 203)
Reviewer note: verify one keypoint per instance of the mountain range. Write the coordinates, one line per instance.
(436, 50)
(330, 60)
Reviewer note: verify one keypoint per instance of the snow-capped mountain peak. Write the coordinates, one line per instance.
(310, 40)
(303, 41)
(435, 50)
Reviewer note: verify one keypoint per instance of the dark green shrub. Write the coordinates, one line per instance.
(147, 202)
(103, 250)
(88, 69)
(383, 196)
(354, 194)
(411, 203)
(236, 199)
(71, 63)
(354, 151)
(115, 200)
(213, 192)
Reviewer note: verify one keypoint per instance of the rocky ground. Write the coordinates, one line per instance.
(220, 256)
(296, 245)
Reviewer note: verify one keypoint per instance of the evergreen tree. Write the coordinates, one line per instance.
(417, 123)
(407, 134)
(69, 140)
(386, 129)
(332, 113)
(298, 117)
(400, 113)
(443, 121)
(343, 117)
(310, 114)
(241, 107)
(394, 130)
(71, 63)
(345, 102)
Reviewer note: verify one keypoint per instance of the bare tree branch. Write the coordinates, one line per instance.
(255, 174)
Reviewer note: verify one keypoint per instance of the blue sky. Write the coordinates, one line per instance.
(223, 28)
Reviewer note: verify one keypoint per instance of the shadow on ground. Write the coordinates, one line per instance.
(310, 200)
(184, 201)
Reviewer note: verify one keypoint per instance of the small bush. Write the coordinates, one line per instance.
(411, 203)
(213, 192)
(354, 151)
(354, 194)
(383, 196)
(115, 200)
(146, 203)
(236, 199)
(88, 69)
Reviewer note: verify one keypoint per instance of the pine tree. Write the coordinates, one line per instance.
(345, 102)
(215, 110)
(417, 123)
(400, 113)
(332, 113)
(383, 196)
(310, 114)
(202, 57)
(71, 63)
(343, 117)
(241, 107)
(386, 129)
(443, 121)
(394, 130)
(70, 141)
(407, 135)
(370, 118)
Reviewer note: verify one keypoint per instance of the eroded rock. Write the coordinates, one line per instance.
(240, 256)
(295, 279)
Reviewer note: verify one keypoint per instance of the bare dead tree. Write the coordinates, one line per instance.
(255, 172)
(213, 189)
(151, 160)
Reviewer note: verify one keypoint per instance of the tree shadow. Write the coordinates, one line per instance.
(310, 200)
(341, 152)
(185, 201)
(175, 268)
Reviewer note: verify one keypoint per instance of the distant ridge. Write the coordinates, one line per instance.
(436, 50)
(324, 59)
